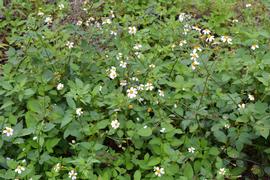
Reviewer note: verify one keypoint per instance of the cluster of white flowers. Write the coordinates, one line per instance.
(79, 111)
(112, 72)
(70, 44)
(19, 169)
(241, 106)
(226, 39)
(123, 64)
(61, 6)
(48, 20)
(115, 124)
(72, 174)
(79, 23)
(152, 66)
(8, 131)
(149, 86)
(57, 167)
(191, 150)
(159, 171)
(161, 93)
(251, 97)
(254, 46)
(182, 43)
(222, 171)
(162, 130)
(132, 30)
(184, 17)
(60, 86)
(137, 46)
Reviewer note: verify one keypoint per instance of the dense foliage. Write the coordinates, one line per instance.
(134, 89)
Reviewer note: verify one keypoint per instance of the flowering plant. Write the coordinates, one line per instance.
(134, 90)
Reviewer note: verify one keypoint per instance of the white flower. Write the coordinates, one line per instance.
(123, 64)
(173, 46)
(70, 44)
(210, 38)
(79, 23)
(227, 126)
(149, 86)
(254, 46)
(61, 6)
(91, 19)
(48, 19)
(226, 39)
(57, 167)
(222, 171)
(161, 93)
(235, 21)
(132, 30)
(194, 56)
(197, 48)
(181, 17)
(72, 174)
(113, 73)
(182, 43)
(132, 92)
(152, 66)
(35, 138)
(159, 171)
(191, 150)
(140, 87)
(175, 105)
(59, 86)
(251, 97)
(8, 131)
(107, 21)
(112, 14)
(140, 100)
(145, 126)
(79, 111)
(162, 130)
(194, 64)
(123, 83)
(115, 124)
(134, 79)
(113, 33)
(119, 56)
(137, 46)
(73, 141)
(206, 31)
(138, 54)
(196, 28)
(242, 106)
(40, 13)
(19, 169)
(248, 5)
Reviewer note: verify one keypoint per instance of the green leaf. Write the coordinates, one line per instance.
(137, 175)
(145, 132)
(220, 136)
(34, 106)
(71, 102)
(153, 161)
(188, 171)
(67, 119)
(7, 104)
(50, 143)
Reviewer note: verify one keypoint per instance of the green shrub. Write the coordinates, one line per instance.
(134, 89)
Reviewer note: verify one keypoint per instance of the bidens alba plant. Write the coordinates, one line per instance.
(134, 90)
